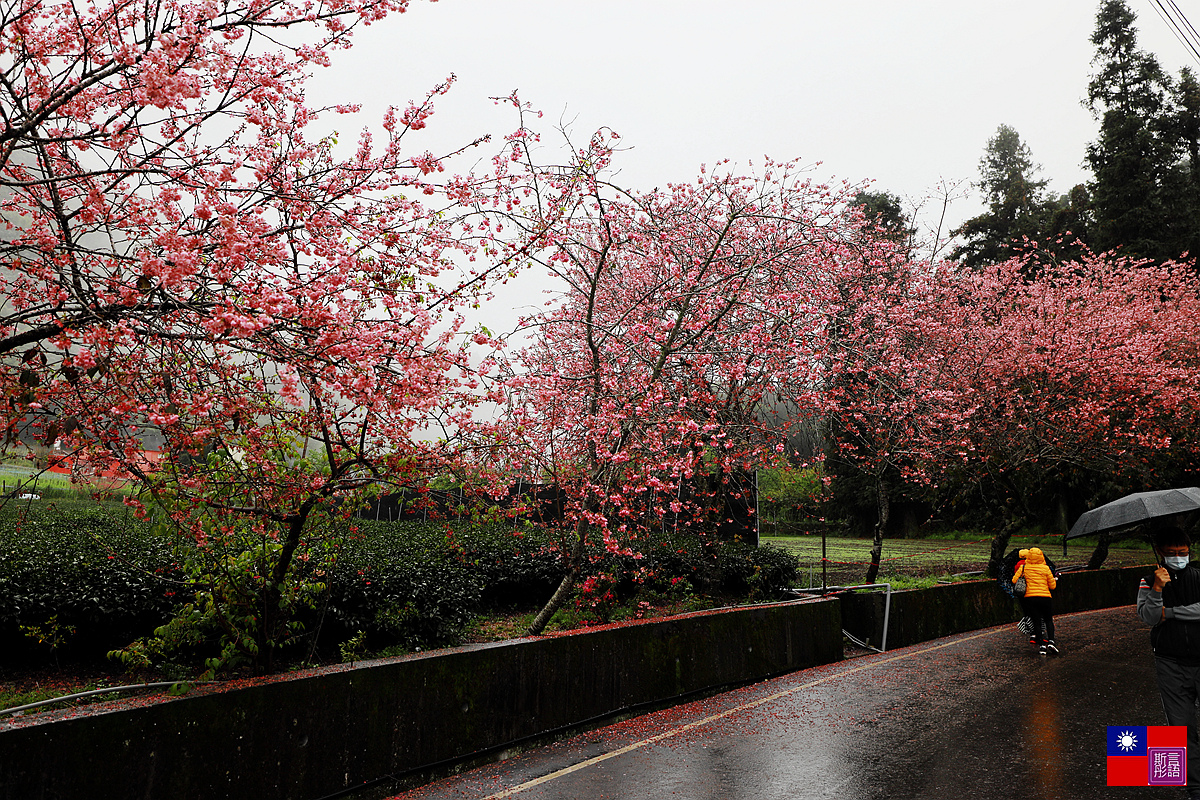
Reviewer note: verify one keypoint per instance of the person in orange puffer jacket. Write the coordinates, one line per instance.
(1039, 582)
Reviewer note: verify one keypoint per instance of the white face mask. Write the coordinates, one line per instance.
(1175, 562)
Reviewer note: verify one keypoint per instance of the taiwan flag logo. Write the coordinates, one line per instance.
(1147, 755)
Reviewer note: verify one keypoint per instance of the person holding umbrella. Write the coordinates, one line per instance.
(1169, 599)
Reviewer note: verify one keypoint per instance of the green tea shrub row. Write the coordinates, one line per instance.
(84, 578)
(417, 584)
(80, 577)
(683, 564)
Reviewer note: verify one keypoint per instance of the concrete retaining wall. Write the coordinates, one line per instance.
(924, 614)
(309, 736)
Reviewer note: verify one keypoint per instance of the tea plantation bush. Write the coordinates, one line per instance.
(401, 583)
(88, 578)
(682, 565)
(412, 585)
(80, 578)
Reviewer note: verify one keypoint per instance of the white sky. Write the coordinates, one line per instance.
(904, 94)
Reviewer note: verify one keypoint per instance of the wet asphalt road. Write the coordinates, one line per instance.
(978, 715)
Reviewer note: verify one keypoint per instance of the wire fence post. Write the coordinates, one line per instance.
(757, 518)
(824, 560)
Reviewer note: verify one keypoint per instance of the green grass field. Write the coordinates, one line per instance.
(14, 477)
(906, 560)
(21, 477)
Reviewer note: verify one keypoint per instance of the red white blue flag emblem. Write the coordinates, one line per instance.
(1147, 755)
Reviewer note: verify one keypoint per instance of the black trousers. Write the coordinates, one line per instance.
(1179, 688)
(1041, 609)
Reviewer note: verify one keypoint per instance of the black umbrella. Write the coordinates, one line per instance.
(1134, 508)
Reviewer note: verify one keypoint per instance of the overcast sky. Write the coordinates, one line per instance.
(902, 94)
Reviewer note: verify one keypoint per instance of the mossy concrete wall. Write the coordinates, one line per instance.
(310, 736)
(922, 614)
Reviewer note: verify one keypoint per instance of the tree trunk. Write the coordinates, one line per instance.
(1100, 553)
(880, 527)
(272, 617)
(1060, 516)
(269, 614)
(999, 545)
(564, 587)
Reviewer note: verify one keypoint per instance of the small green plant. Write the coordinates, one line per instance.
(901, 582)
(53, 634)
(238, 616)
(393, 651)
(354, 648)
(395, 619)
(566, 619)
(12, 698)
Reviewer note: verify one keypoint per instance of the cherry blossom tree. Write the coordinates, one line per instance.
(1090, 367)
(997, 385)
(186, 260)
(886, 378)
(1001, 387)
(683, 316)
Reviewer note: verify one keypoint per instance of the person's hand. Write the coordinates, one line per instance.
(1161, 579)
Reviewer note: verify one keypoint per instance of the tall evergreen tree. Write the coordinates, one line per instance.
(886, 212)
(1136, 150)
(1181, 186)
(1017, 207)
(1067, 232)
(1187, 120)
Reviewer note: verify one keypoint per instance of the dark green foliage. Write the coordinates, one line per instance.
(89, 579)
(1068, 223)
(1144, 196)
(418, 584)
(679, 566)
(851, 495)
(1182, 182)
(514, 566)
(92, 568)
(400, 583)
(235, 613)
(885, 211)
(1144, 192)
(759, 573)
(1018, 208)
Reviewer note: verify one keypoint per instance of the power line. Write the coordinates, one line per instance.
(1179, 24)
(1194, 37)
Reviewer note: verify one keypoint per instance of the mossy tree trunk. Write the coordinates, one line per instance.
(1101, 551)
(999, 545)
(885, 506)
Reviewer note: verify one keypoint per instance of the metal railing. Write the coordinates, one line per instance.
(887, 609)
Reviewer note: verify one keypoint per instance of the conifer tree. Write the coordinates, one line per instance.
(1017, 207)
(1133, 157)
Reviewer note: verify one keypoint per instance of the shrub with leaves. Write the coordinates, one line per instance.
(235, 611)
(91, 573)
(682, 565)
(402, 583)
(88, 578)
